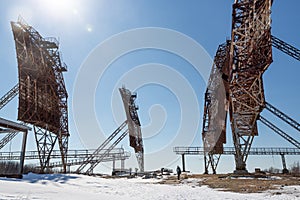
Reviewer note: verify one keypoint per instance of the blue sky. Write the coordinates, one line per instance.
(82, 25)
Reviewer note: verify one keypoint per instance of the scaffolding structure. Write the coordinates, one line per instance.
(42, 91)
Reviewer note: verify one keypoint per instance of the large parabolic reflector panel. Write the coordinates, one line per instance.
(42, 93)
(134, 126)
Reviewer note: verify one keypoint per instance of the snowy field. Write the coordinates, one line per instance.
(75, 187)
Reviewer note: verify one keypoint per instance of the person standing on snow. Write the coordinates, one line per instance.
(178, 170)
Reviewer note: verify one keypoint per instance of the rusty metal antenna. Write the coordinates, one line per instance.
(237, 71)
(250, 56)
(215, 112)
(134, 125)
(42, 91)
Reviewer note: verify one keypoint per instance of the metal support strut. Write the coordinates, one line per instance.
(90, 159)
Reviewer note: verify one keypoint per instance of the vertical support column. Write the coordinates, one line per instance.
(183, 162)
(114, 164)
(284, 170)
(205, 165)
(122, 165)
(22, 156)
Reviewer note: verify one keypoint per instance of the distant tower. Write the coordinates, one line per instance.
(134, 126)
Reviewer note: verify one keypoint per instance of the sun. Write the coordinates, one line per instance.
(66, 12)
(58, 8)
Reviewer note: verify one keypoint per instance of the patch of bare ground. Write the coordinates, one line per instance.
(251, 183)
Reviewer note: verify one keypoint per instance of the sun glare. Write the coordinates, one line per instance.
(65, 12)
(59, 7)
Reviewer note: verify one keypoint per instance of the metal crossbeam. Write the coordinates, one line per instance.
(80, 161)
(79, 154)
(286, 48)
(231, 151)
(282, 116)
(280, 132)
(9, 96)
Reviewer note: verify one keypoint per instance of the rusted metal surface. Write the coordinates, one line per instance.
(42, 91)
(236, 84)
(134, 126)
(216, 102)
(250, 56)
(215, 109)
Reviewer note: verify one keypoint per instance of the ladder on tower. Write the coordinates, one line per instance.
(9, 96)
(94, 158)
(280, 132)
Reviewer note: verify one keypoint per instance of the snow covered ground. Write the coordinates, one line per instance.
(59, 186)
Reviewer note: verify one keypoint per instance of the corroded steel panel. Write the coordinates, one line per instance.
(42, 92)
(134, 126)
(216, 103)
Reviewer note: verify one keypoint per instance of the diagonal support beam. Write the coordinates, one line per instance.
(282, 116)
(286, 48)
(90, 158)
(9, 96)
(280, 132)
(6, 139)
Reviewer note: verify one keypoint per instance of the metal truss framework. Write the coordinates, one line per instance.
(231, 151)
(250, 56)
(42, 92)
(104, 149)
(241, 65)
(45, 141)
(113, 155)
(72, 154)
(134, 125)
